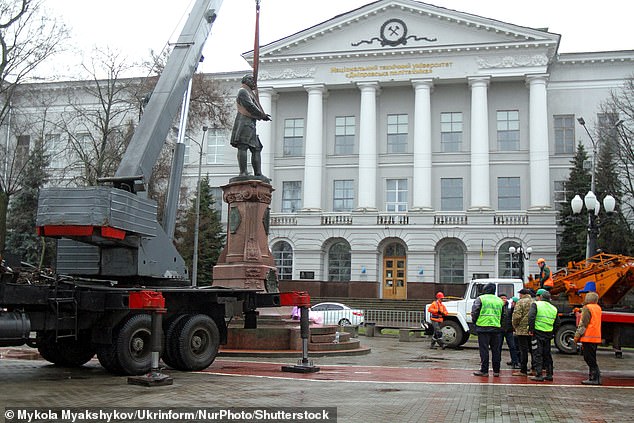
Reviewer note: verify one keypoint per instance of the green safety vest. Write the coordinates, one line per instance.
(546, 315)
(491, 311)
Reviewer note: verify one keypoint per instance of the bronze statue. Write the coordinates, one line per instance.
(243, 136)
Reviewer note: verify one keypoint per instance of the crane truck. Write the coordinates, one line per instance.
(611, 276)
(112, 249)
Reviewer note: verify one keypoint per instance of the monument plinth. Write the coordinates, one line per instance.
(246, 261)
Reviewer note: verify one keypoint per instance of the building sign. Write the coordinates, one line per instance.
(307, 275)
(390, 70)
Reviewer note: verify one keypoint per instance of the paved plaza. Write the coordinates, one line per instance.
(395, 382)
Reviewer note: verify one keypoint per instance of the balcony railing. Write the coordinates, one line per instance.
(283, 221)
(392, 219)
(510, 219)
(336, 219)
(450, 219)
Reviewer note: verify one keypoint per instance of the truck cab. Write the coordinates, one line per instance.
(457, 326)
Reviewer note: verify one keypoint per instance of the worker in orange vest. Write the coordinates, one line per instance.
(589, 333)
(437, 311)
(545, 276)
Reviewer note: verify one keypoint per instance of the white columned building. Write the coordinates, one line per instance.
(410, 146)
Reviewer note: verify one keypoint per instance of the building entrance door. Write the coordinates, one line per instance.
(394, 272)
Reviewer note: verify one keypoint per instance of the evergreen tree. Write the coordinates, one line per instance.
(573, 236)
(22, 240)
(615, 235)
(211, 237)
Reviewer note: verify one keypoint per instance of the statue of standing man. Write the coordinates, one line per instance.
(243, 135)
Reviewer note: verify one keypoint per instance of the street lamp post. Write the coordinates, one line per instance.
(197, 224)
(590, 200)
(521, 254)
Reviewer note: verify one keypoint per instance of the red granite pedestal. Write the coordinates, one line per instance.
(246, 261)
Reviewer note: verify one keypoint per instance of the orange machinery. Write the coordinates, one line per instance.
(611, 274)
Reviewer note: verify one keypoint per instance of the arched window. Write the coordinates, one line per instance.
(507, 267)
(283, 255)
(339, 258)
(451, 262)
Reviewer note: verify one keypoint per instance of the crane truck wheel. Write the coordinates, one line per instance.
(197, 343)
(564, 339)
(170, 352)
(133, 346)
(65, 352)
(452, 333)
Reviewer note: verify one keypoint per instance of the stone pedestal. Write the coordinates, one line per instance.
(246, 261)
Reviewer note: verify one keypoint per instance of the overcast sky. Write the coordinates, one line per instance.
(134, 27)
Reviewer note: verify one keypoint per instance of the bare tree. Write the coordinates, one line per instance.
(28, 37)
(621, 105)
(100, 118)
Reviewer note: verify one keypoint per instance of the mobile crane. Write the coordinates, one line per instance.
(112, 248)
(611, 276)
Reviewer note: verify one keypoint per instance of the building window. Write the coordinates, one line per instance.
(396, 195)
(216, 146)
(451, 194)
(283, 255)
(344, 134)
(451, 262)
(507, 267)
(560, 195)
(54, 150)
(564, 134)
(397, 133)
(607, 126)
(343, 195)
(508, 122)
(293, 137)
(339, 262)
(450, 131)
(291, 196)
(216, 194)
(509, 193)
(22, 151)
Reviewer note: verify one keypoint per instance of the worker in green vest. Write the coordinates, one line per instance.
(543, 321)
(487, 315)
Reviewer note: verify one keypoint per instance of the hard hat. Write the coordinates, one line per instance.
(541, 260)
(541, 291)
(440, 295)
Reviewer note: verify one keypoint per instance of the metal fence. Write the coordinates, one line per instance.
(394, 318)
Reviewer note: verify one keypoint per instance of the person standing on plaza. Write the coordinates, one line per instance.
(437, 311)
(487, 315)
(520, 325)
(589, 333)
(545, 276)
(543, 321)
(507, 332)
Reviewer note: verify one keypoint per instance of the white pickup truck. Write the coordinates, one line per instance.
(457, 326)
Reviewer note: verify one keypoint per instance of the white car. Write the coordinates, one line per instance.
(337, 314)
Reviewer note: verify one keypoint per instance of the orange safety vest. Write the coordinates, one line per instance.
(549, 282)
(437, 310)
(593, 331)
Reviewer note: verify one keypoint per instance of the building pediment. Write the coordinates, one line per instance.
(406, 27)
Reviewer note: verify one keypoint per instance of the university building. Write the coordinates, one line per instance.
(411, 145)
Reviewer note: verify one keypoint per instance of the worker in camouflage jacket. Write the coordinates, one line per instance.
(520, 325)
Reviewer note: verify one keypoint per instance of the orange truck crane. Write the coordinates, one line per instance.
(611, 276)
